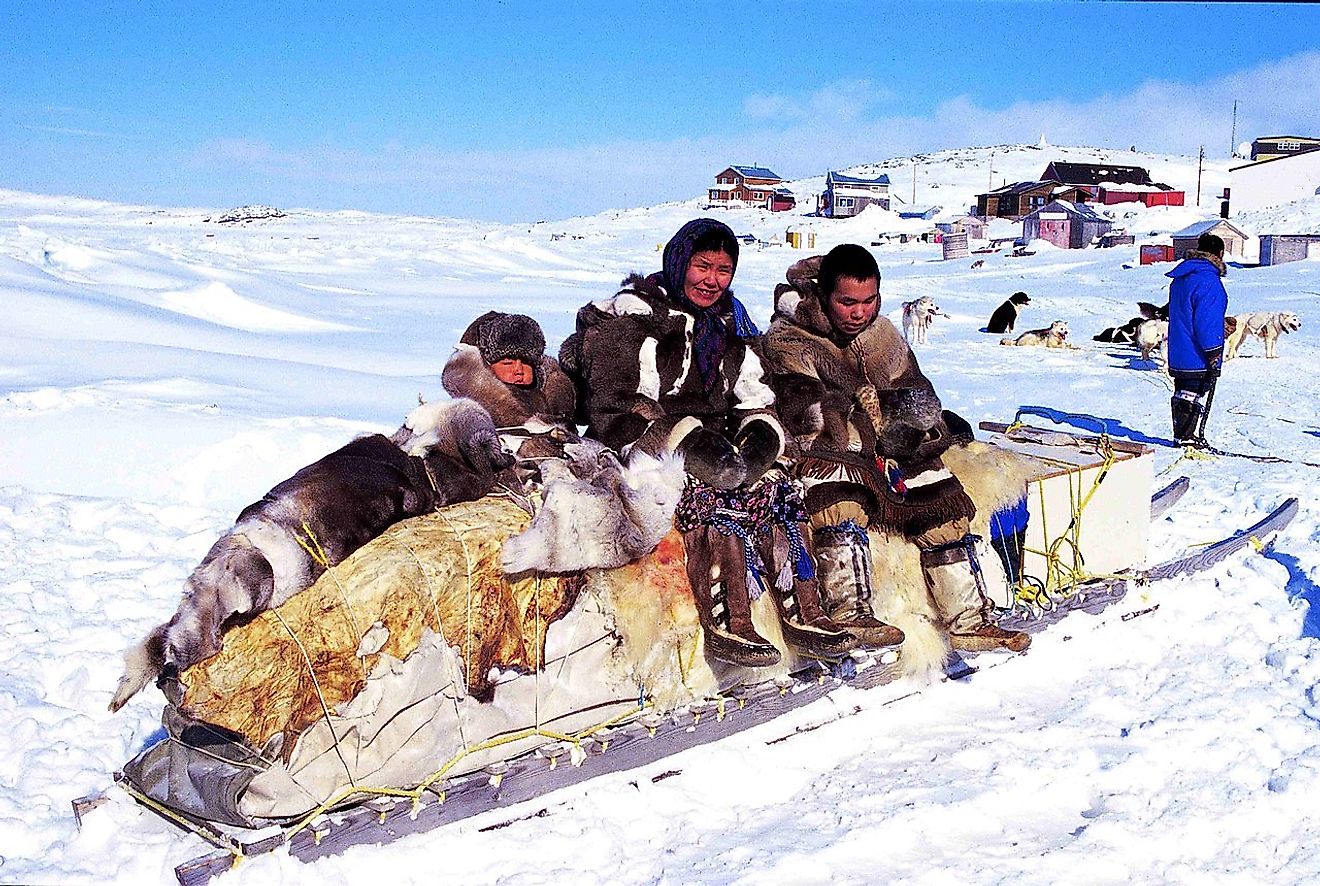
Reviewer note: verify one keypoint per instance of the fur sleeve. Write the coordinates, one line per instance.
(611, 370)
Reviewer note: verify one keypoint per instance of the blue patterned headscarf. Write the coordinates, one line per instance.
(708, 333)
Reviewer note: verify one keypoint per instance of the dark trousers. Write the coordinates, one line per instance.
(1190, 401)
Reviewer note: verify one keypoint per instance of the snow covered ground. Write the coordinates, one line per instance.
(159, 371)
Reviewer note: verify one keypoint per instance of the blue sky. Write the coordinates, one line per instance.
(519, 111)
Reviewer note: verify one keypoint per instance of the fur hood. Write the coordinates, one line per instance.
(550, 398)
(1183, 269)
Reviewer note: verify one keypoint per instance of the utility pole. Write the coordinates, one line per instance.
(914, 182)
(1232, 139)
(1199, 160)
(992, 172)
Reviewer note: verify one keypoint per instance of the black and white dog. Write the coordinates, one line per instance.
(1005, 316)
(1128, 332)
(444, 453)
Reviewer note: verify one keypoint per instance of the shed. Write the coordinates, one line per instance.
(1066, 224)
(955, 245)
(1277, 249)
(975, 228)
(921, 212)
(1156, 252)
(1234, 239)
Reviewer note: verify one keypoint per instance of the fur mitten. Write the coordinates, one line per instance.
(712, 459)
(760, 445)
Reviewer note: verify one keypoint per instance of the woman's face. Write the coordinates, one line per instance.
(708, 275)
(512, 371)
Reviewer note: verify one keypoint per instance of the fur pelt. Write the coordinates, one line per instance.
(444, 453)
(597, 513)
(994, 478)
(1053, 336)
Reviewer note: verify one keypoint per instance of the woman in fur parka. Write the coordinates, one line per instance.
(868, 430)
(668, 365)
(501, 363)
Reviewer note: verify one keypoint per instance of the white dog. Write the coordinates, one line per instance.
(1268, 325)
(1054, 336)
(917, 317)
(1153, 336)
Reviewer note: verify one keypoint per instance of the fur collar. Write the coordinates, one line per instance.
(550, 398)
(1215, 260)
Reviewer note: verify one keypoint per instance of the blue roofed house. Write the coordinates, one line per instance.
(750, 186)
(847, 195)
(922, 212)
(1235, 239)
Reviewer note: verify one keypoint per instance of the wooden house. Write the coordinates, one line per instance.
(1066, 224)
(750, 186)
(1234, 238)
(1270, 147)
(975, 228)
(1274, 182)
(847, 195)
(1277, 249)
(1108, 184)
(1018, 199)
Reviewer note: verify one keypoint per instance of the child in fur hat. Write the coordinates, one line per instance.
(501, 363)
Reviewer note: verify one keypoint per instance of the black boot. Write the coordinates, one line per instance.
(1186, 410)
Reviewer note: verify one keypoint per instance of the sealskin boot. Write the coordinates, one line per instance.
(723, 606)
(954, 582)
(805, 625)
(843, 574)
(1186, 411)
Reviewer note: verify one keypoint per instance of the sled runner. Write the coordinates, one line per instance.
(318, 765)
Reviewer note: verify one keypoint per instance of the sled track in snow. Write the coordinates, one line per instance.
(651, 737)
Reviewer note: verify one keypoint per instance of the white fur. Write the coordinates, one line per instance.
(750, 390)
(1153, 336)
(597, 513)
(648, 373)
(1268, 325)
(917, 317)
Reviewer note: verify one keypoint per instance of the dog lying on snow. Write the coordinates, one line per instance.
(444, 453)
(1127, 333)
(1005, 316)
(917, 317)
(597, 512)
(1268, 325)
(1054, 336)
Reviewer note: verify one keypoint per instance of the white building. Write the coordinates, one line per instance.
(1274, 182)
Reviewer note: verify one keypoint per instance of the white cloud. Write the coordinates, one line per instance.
(796, 136)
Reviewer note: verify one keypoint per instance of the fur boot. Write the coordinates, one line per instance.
(954, 581)
(718, 577)
(805, 624)
(843, 562)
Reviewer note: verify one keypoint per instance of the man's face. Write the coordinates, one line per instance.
(853, 304)
(709, 274)
(512, 371)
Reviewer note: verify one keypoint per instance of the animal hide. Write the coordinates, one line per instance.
(444, 453)
(597, 513)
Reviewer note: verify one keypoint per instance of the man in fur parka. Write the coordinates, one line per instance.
(501, 363)
(668, 366)
(867, 432)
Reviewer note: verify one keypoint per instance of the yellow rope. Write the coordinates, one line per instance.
(218, 840)
(467, 562)
(320, 696)
(317, 553)
(1061, 579)
(415, 794)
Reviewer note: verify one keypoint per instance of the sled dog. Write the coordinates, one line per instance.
(978, 264)
(444, 453)
(1127, 333)
(1153, 335)
(1005, 316)
(917, 317)
(1268, 325)
(1054, 336)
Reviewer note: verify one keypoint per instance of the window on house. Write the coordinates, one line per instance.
(844, 202)
(1290, 146)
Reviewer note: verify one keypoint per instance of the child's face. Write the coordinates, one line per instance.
(512, 371)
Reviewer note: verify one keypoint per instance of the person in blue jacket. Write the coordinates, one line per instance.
(1197, 305)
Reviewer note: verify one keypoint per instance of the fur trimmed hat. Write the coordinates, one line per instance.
(500, 336)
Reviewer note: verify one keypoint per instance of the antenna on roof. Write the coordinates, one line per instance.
(1232, 139)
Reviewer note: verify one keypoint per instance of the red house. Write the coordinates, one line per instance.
(751, 186)
(1107, 184)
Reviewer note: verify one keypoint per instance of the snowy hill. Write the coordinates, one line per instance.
(158, 372)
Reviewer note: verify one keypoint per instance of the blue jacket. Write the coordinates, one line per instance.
(1197, 305)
